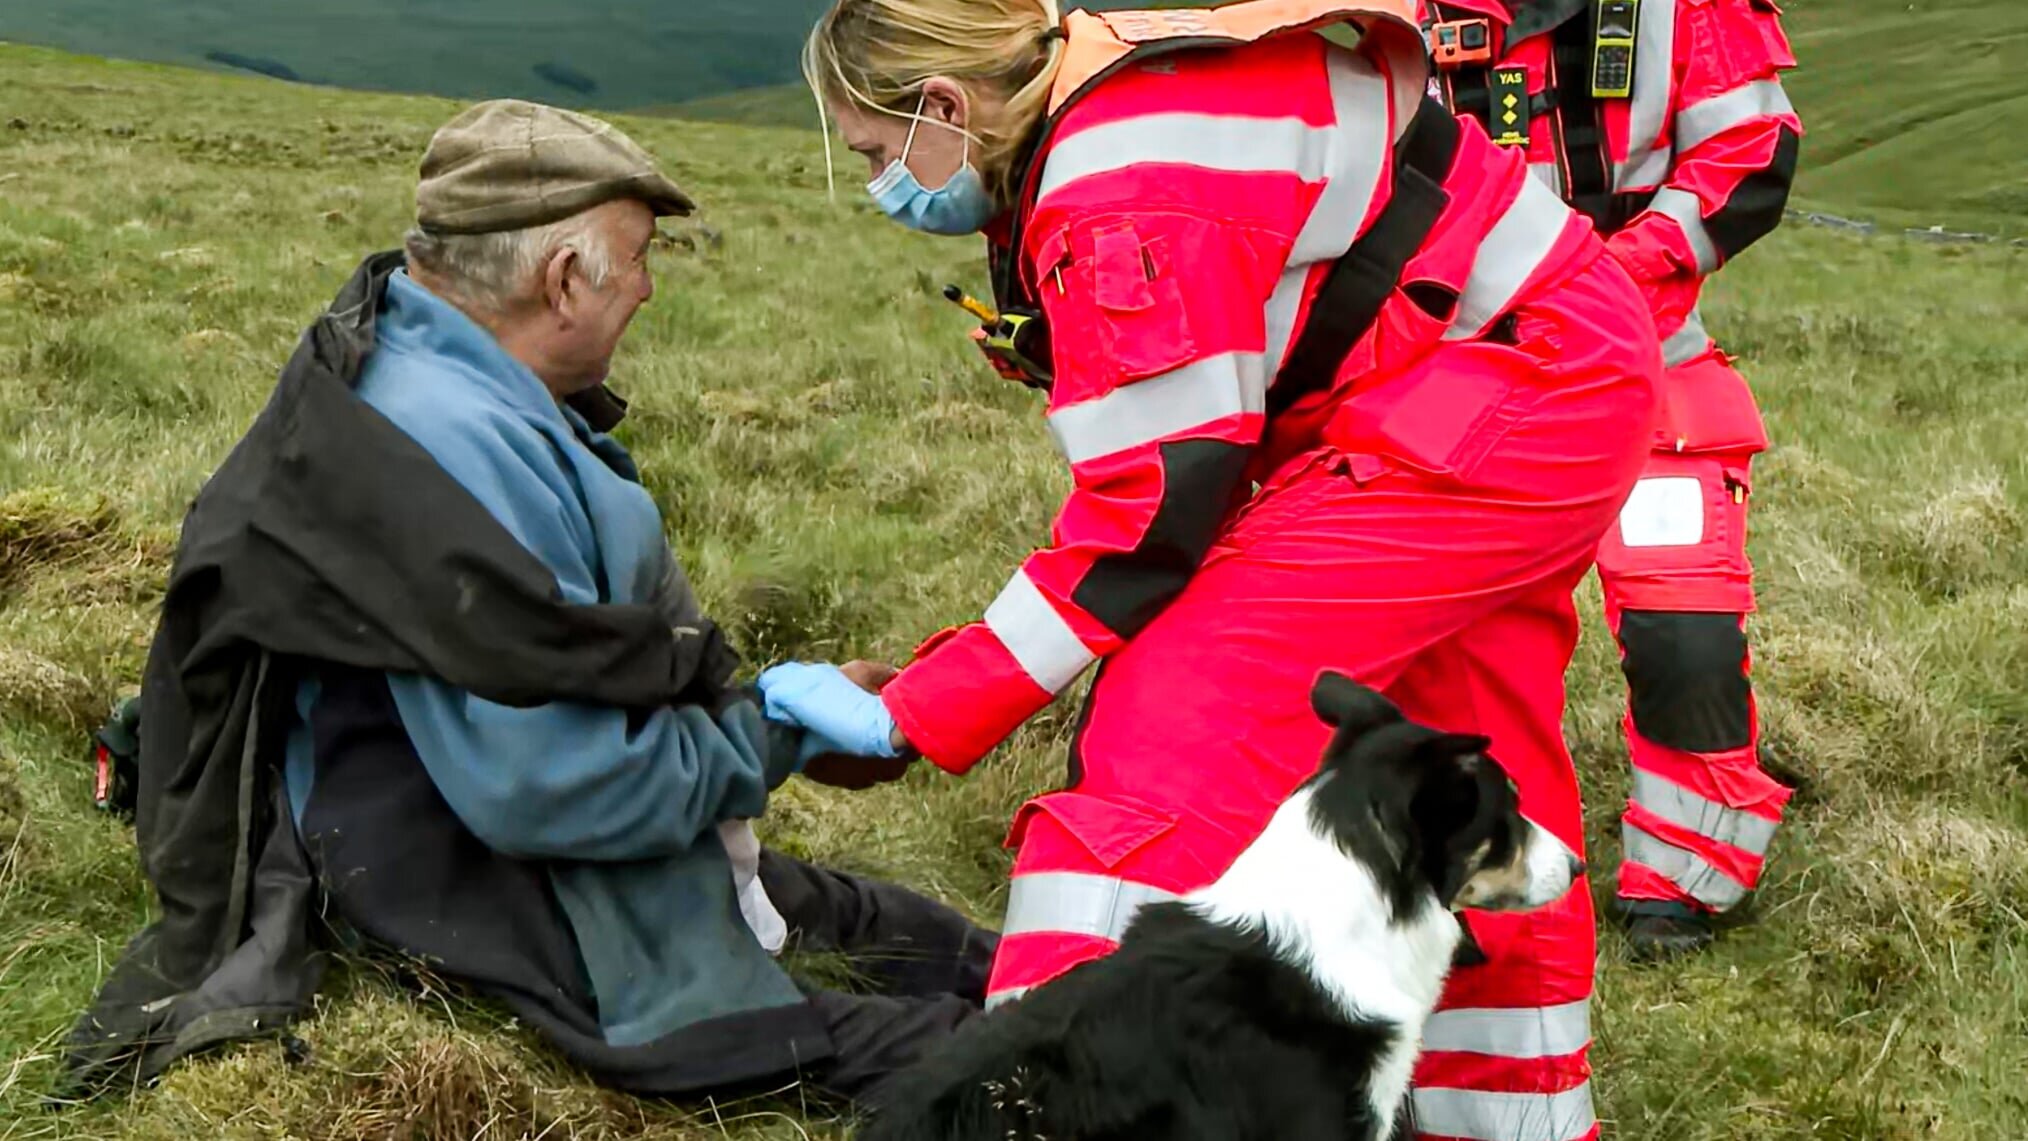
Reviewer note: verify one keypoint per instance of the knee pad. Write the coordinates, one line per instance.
(1686, 680)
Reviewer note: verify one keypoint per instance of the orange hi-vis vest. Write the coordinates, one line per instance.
(1099, 44)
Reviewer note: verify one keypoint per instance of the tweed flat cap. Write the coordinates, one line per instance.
(507, 164)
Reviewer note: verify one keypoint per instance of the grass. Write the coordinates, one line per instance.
(843, 477)
(776, 105)
(1906, 102)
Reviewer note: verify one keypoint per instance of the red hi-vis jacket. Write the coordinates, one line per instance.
(1199, 173)
(1697, 160)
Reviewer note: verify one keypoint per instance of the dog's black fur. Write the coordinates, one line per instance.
(1196, 1030)
(1433, 817)
(1189, 1030)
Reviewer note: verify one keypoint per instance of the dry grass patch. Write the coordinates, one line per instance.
(47, 530)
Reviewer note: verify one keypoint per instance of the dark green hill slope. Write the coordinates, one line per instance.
(1912, 109)
(616, 53)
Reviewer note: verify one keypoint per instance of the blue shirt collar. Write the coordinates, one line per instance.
(412, 319)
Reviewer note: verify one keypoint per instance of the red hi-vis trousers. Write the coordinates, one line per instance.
(1678, 587)
(1429, 549)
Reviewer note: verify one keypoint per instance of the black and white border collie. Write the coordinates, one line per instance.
(1286, 1000)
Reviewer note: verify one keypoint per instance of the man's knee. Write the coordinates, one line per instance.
(878, 1037)
(1686, 678)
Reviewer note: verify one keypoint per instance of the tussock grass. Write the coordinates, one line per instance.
(39, 530)
(842, 477)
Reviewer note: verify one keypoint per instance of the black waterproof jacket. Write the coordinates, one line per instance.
(329, 536)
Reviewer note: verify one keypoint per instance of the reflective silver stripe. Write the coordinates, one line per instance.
(1076, 903)
(1050, 652)
(1485, 1116)
(1356, 151)
(1359, 152)
(1357, 157)
(1214, 142)
(1549, 175)
(1688, 212)
(1648, 111)
(1699, 880)
(1700, 122)
(1519, 1032)
(1519, 241)
(999, 997)
(1708, 818)
(1284, 306)
(1159, 407)
(1687, 343)
(1646, 173)
(1347, 156)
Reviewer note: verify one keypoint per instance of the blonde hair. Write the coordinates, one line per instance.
(877, 54)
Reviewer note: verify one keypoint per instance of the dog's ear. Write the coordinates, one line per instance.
(1452, 810)
(1347, 705)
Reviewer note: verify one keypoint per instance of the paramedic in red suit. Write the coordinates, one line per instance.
(1171, 192)
(1682, 161)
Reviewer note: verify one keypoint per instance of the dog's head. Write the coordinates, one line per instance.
(1429, 811)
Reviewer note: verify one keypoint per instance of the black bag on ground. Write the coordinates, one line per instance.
(116, 760)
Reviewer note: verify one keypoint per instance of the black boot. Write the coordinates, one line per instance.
(1658, 931)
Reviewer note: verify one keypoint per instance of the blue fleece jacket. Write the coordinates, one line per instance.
(611, 802)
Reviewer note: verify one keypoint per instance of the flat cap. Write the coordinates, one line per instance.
(507, 164)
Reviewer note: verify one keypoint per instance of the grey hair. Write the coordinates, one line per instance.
(493, 271)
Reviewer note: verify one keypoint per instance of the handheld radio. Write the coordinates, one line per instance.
(1612, 51)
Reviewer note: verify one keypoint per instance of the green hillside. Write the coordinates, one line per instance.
(618, 53)
(1910, 104)
(1910, 110)
(843, 476)
(779, 105)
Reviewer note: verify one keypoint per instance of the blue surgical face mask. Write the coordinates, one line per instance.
(960, 206)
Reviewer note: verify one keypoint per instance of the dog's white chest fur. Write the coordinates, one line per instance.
(1324, 912)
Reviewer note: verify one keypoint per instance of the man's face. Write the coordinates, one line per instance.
(591, 320)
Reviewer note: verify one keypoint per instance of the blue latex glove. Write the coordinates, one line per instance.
(820, 698)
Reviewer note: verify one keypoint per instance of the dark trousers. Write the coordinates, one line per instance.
(923, 964)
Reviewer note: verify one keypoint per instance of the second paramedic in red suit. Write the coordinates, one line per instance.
(1172, 189)
(1684, 169)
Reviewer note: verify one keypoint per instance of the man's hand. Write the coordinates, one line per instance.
(869, 676)
(843, 770)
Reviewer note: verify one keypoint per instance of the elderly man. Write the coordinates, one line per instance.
(426, 614)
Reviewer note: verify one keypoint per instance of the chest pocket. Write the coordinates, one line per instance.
(1116, 307)
(1140, 301)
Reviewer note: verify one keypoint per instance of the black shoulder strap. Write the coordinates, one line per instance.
(1533, 17)
(1361, 281)
(1587, 174)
